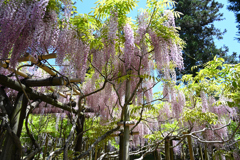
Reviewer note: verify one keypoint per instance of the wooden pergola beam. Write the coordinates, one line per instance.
(41, 65)
(126, 123)
(120, 134)
(60, 93)
(35, 61)
(41, 82)
(51, 81)
(41, 57)
(5, 81)
(5, 65)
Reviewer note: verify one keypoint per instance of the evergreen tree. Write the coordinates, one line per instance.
(198, 31)
(235, 7)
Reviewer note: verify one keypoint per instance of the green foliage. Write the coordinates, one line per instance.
(232, 127)
(45, 124)
(84, 24)
(168, 127)
(122, 7)
(197, 116)
(156, 136)
(216, 79)
(155, 8)
(209, 79)
(95, 129)
(54, 5)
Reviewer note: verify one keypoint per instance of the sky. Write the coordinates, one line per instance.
(228, 22)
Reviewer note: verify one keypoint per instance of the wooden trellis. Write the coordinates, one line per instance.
(28, 82)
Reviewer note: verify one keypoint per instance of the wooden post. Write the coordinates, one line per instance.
(45, 149)
(189, 139)
(160, 156)
(206, 152)
(90, 155)
(121, 145)
(157, 155)
(167, 148)
(200, 152)
(106, 149)
(171, 150)
(183, 156)
(126, 118)
(190, 147)
(96, 152)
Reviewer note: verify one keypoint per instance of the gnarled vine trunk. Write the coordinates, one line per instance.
(12, 146)
(79, 129)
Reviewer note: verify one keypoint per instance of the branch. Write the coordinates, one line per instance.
(204, 141)
(53, 153)
(95, 90)
(69, 138)
(5, 81)
(38, 148)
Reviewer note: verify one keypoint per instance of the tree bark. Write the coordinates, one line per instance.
(5, 103)
(79, 129)
(12, 146)
(5, 81)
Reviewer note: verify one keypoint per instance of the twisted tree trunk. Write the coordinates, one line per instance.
(12, 148)
(79, 129)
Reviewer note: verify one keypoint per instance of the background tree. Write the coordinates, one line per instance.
(235, 7)
(198, 31)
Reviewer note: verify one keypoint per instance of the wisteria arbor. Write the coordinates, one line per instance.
(107, 66)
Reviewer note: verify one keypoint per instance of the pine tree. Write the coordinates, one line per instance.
(235, 7)
(198, 31)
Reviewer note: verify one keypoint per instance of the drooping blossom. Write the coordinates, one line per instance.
(171, 20)
(18, 26)
(204, 101)
(67, 9)
(178, 104)
(128, 45)
(143, 23)
(113, 27)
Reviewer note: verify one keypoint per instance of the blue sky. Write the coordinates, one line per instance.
(228, 23)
